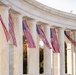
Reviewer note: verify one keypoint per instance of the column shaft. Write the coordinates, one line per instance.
(69, 60)
(47, 53)
(4, 45)
(33, 53)
(18, 51)
(75, 50)
(62, 51)
(72, 58)
(11, 56)
(56, 64)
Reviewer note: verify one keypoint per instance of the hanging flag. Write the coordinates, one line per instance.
(11, 30)
(67, 33)
(54, 41)
(42, 36)
(29, 38)
(5, 30)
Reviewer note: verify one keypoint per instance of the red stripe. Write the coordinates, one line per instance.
(11, 30)
(29, 38)
(5, 30)
(70, 39)
(43, 37)
(54, 42)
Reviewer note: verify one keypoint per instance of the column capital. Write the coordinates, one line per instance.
(47, 25)
(62, 28)
(32, 20)
(17, 15)
(74, 31)
(74, 35)
(4, 7)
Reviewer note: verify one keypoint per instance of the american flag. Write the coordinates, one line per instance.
(67, 34)
(11, 30)
(42, 36)
(31, 43)
(54, 41)
(5, 30)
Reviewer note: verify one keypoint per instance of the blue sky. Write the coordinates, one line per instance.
(63, 5)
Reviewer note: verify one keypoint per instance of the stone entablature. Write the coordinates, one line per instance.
(42, 13)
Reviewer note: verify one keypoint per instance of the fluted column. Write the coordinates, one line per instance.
(18, 51)
(47, 53)
(62, 51)
(4, 45)
(33, 53)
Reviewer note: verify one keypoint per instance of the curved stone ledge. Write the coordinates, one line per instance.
(42, 13)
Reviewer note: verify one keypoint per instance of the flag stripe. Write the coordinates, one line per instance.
(54, 41)
(67, 34)
(31, 43)
(11, 30)
(42, 36)
(5, 30)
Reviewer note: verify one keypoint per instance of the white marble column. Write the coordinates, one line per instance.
(73, 58)
(56, 64)
(11, 56)
(4, 45)
(33, 53)
(62, 51)
(47, 53)
(52, 62)
(18, 51)
(69, 58)
(75, 50)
